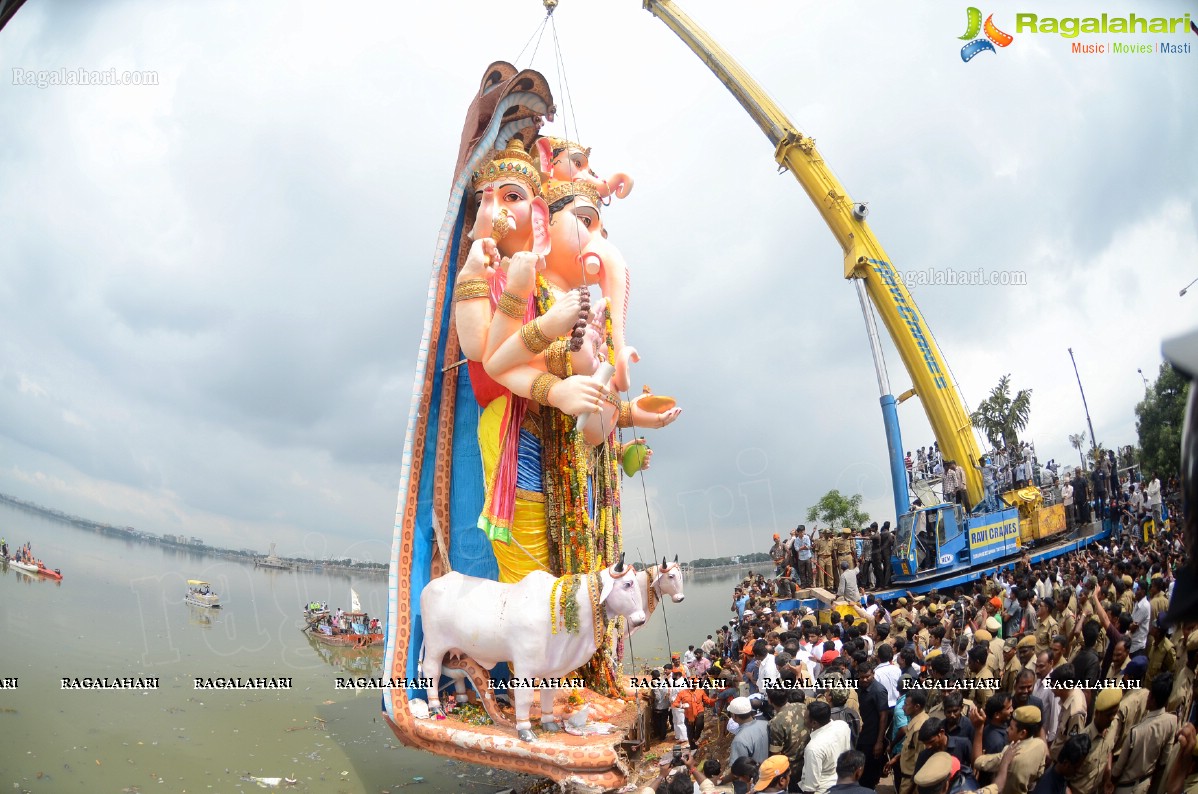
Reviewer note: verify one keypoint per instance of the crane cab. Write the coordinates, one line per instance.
(933, 541)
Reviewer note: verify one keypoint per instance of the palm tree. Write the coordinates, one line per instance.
(1077, 441)
(1001, 416)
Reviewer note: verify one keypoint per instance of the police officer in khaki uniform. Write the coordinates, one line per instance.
(1088, 777)
(979, 670)
(1163, 656)
(1158, 601)
(843, 549)
(1047, 627)
(900, 618)
(1011, 665)
(1182, 696)
(1067, 619)
(995, 661)
(1146, 742)
(1029, 753)
(1071, 718)
(1025, 650)
(823, 560)
(1131, 710)
(914, 709)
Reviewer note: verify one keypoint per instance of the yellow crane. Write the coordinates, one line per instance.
(865, 262)
(939, 545)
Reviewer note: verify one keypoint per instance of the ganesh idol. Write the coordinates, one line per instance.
(533, 340)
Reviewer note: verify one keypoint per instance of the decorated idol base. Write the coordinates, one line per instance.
(586, 755)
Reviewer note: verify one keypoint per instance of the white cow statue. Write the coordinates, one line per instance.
(494, 622)
(662, 582)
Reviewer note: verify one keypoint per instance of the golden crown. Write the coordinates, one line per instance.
(555, 189)
(511, 163)
(561, 144)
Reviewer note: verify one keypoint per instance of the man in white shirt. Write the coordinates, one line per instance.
(767, 666)
(829, 738)
(1153, 499)
(847, 589)
(1141, 617)
(708, 645)
(887, 673)
(677, 714)
(1051, 710)
(1043, 586)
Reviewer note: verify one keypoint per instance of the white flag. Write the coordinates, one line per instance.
(354, 604)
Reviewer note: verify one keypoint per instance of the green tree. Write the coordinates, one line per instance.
(1001, 416)
(837, 510)
(1077, 441)
(1159, 418)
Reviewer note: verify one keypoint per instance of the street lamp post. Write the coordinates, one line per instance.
(1186, 288)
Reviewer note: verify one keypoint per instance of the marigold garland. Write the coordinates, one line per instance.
(575, 478)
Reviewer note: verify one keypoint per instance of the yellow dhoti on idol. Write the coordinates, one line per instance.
(522, 547)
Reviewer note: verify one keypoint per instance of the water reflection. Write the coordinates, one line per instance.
(28, 577)
(352, 661)
(204, 617)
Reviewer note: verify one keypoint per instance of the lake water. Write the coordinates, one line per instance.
(119, 612)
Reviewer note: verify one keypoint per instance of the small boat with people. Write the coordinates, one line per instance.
(348, 630)
(23, 560)
(352, 629)
(200, 594)
(314, 611)
(20, 565)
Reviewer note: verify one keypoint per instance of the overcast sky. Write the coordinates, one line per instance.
(211, 289)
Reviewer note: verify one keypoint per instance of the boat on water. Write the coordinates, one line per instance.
(200, 594)
(28, 567)
(272, 560)
(315, 611)
(51, 573)
(351, 630)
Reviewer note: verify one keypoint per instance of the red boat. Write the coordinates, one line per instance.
(52, 573)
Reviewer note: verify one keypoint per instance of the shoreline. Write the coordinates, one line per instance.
(132, 534)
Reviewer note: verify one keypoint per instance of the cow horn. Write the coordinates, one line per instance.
(620, 564)
(675, 558)
(663, 561)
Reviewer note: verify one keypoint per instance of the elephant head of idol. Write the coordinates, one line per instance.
(510, 209)
(581, 254)
(567, 161)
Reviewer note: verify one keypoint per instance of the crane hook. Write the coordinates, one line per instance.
(549, 6)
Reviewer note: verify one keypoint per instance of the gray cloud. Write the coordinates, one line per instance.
(211, 290)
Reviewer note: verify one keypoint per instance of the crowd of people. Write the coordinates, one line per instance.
(23, 554)
(1102, 491)
(339, 622)
(833, 556)
(1047, 678)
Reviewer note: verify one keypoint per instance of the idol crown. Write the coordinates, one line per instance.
(511, 163)
(555, 189)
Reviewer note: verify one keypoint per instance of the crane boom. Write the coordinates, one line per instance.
(864, 258)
